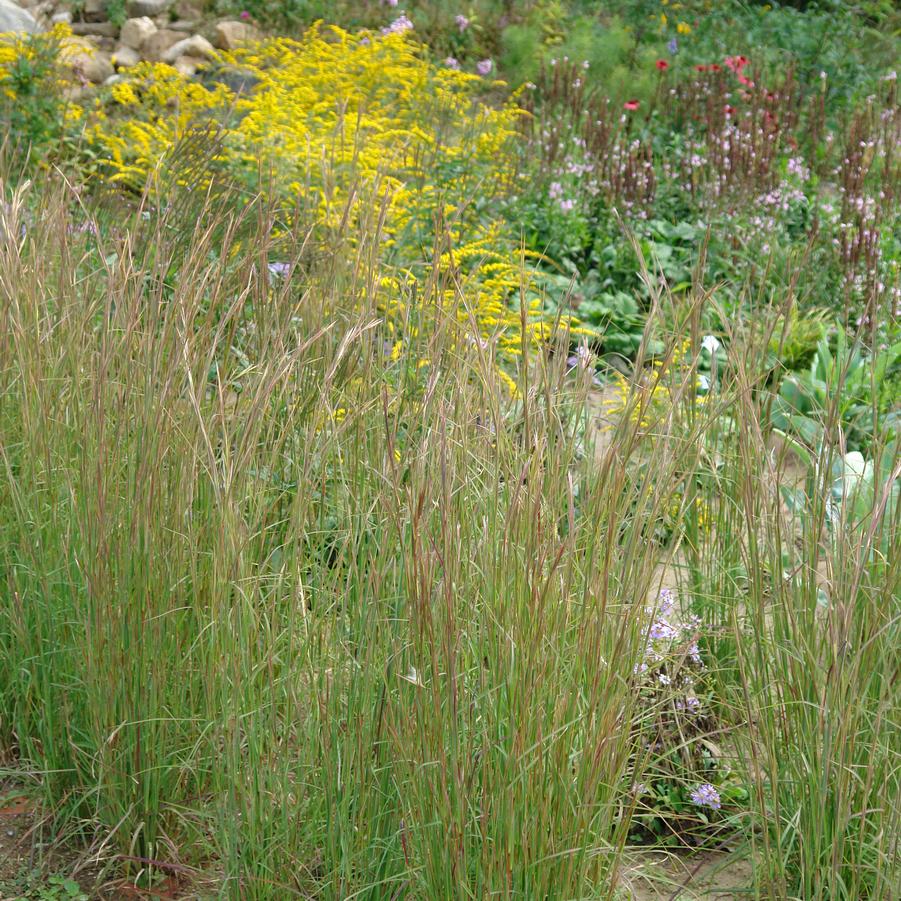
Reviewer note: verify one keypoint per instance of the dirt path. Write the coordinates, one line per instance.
(658, 876)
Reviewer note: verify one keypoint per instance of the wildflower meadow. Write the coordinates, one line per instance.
(450, 450)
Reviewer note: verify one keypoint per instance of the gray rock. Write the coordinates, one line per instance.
(158, 43)
(90, 64)
(94, 11)
(14, 18)
(239, 81)
(187, 65)
(61, 18)
(189, 9)
(184, 25)
(98, 29)
(125, 57)
(136, 31)
(147, 7)
(232, 34)
(197, 47)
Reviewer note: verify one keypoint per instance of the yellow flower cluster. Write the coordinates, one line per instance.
(648, 399)
(366, 131)
(38, 49)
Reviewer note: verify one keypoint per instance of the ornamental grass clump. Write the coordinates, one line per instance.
(287, 609)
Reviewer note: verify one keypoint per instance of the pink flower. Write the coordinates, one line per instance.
(484, 66)
(401, 24)
(736, 63)
(452, 63)
(245, 14)
(462, 22)
(631, 105)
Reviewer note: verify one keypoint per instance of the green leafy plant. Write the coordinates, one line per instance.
(838, 388)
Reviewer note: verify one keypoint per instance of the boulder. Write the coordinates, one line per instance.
(231, 34)
(189, 9)
(86, 61)
(98, 29)
(125, 57)
(94, 11)
(187, 65)
(197, 47)
(61, 18)
(185, 26)
(136, 31)
(155, 47)
(239, 81)
(14, 18)
(147, 7)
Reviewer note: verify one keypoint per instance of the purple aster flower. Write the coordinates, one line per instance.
(705, 795)
(673, 46)
(484, 66)
(661, 630)
(279, 270)
(452, 62)
(401, 24)
(462, 22)
(667, 601)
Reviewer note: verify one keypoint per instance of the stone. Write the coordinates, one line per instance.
(99, 29)
(184, 26)
(86, 61)
(147, 7)
(135, 31)
(159, 42)
(188, 9)
(113, 79)
(94, 11)
(197, 47)
(231, 34)
(238, 81)
(125, 57)
(61, 18)
(186, 65)
(14, 18)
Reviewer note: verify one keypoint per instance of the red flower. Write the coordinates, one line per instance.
(730, 110)
(662, 65)
(631, 105)
(701, 67)
(715, 68)
(743, 79)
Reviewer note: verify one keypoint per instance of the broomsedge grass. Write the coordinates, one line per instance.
(312, 621)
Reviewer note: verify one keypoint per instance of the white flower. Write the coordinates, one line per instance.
(413, 677)
(710, 343)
